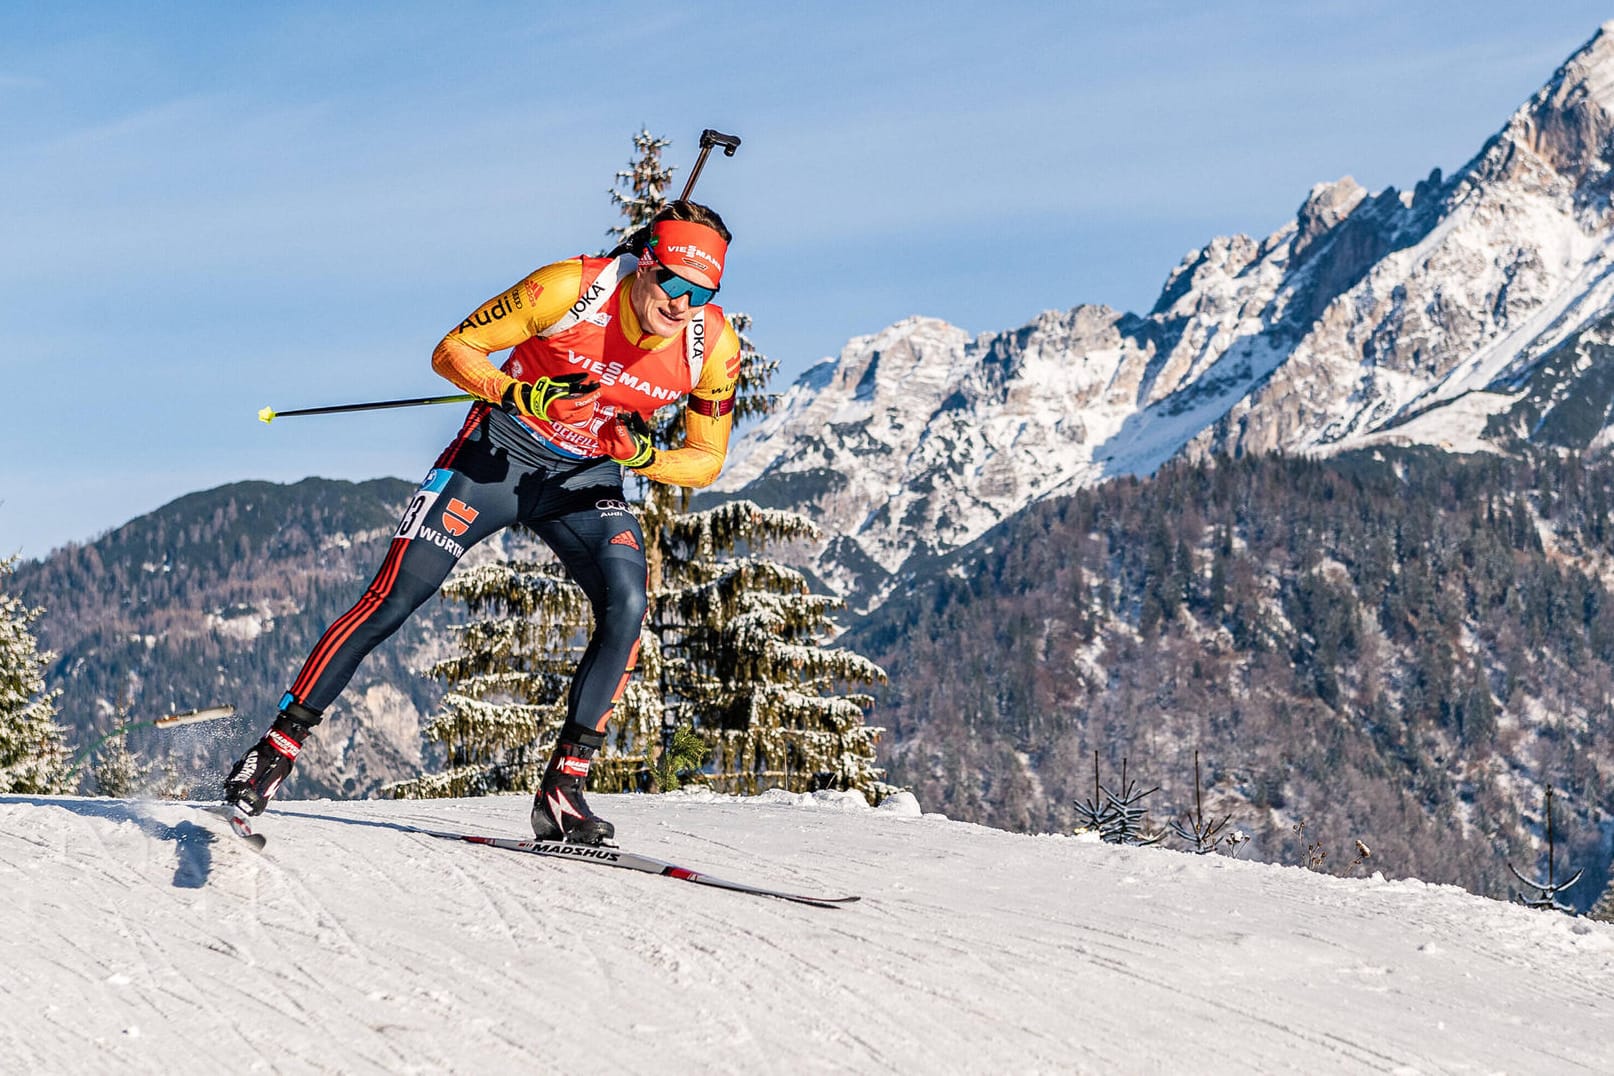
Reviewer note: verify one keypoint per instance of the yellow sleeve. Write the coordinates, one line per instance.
(708, 420)
(504, 321)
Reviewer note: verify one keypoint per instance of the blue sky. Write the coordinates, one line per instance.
(209, 208)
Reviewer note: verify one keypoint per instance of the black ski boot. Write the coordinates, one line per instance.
(559, 811)
(255, 778)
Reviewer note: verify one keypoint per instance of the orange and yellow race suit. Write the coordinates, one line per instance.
(636, 371)
(570, 317)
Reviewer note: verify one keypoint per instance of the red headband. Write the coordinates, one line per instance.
(680, 243)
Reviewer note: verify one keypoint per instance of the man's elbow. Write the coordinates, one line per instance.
(443, 359)
(702, 480)
(702, 477)
(694, 472)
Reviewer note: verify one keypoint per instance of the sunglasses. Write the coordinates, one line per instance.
(674, 285)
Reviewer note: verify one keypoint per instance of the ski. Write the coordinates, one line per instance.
(240, 823)
(611, 856)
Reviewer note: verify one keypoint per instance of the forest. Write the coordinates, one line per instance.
(1400, 649)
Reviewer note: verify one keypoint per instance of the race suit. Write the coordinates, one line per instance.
(502, 469)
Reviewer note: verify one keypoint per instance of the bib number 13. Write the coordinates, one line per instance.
(424, 498)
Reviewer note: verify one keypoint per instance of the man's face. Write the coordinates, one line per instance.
(656, 312)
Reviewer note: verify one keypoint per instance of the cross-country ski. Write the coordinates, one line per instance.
(239, 822)
(610, 856)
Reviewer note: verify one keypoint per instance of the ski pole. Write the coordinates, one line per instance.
(188, 717)
(709, 138)
(269, 414)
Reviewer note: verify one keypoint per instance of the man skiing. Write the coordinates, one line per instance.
(598, 344)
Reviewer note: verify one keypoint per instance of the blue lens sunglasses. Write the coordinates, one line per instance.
(674, 285)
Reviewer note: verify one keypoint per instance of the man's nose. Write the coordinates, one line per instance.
(680, 304)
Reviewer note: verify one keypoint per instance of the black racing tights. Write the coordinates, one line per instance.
(496, 474)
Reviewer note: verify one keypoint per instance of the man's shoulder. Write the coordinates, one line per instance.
(550, 290)
(719, 333)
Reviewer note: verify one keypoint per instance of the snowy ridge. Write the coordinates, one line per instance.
(1407, 317)
(143, 939)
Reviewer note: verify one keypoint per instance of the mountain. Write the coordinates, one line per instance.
(142, 939)
(1463, 314)
(1404, 647)
(217, 598)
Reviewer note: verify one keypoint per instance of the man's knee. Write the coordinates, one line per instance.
(625, 597)
(628, 605)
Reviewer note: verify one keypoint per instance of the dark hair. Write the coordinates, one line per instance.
(679, 210)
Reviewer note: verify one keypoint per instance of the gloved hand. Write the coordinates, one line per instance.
(626, 439)
(569, 398)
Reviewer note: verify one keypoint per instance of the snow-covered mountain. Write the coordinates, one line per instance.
(1457, 314)
(141, 938)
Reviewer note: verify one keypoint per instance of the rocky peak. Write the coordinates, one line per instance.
(1324, 209)
(1366, 312)
(1223, 258)
(1565, 131)
(1568, 124)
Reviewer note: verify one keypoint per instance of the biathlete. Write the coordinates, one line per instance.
(598, 343)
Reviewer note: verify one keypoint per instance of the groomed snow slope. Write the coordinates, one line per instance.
(142, 938)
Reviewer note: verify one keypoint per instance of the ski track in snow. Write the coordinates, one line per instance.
(142, 937)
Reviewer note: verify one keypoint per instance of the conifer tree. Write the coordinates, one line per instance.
(1118, 817)
(638, 193)
(119, 772)
(33, 747)
(743, 661)
(732, 655)
(1603, 910)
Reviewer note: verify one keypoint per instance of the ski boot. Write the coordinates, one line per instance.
(253, 781)
(559, 811)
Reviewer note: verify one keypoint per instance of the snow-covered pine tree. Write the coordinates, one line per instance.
(118, 771)
(1603, 910)
(33, 747)
(638, 192)
(1118, 817)
(733, 649)
(1200, 833)
(1547, 893)
(740, 653)
(743, 659)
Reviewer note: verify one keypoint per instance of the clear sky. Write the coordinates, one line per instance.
(208, 208)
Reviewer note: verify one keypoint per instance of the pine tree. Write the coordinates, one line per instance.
(1547, 893)
(638, 191)
(1603, 910)
(33, 747)
(738, 652)
(1118, 817)
(1200, 833)
(732, 654)
(743, 661)
(118, 771)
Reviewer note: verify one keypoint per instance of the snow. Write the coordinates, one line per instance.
(1458, 427)
(143, 938)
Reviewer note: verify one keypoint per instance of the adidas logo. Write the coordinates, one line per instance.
(625, 538)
